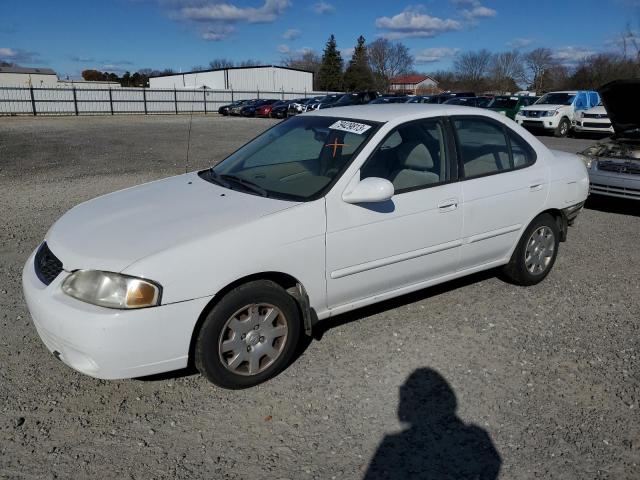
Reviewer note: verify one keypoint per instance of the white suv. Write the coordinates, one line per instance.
(594, 120)
(557, 110)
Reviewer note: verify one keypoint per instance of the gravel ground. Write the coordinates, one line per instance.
(473, 376)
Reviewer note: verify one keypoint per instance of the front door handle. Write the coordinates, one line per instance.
(448, 205)
(536, 185)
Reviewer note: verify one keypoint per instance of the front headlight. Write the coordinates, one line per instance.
(111, 290)
(586, 160)
(550, 113)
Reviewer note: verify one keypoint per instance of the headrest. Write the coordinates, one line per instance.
(415, 155)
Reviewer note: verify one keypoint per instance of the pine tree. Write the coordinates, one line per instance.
(330, 74)
(358, 76)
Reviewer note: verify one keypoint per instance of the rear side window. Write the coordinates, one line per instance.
(486, 147)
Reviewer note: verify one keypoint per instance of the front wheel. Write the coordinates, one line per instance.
(563, 128)
(249, 336)
(535, 253)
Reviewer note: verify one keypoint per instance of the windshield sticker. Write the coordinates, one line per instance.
(351, 127)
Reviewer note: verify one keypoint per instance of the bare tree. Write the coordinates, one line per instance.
(538, 62)
(218, 63)
(507, 69)
(472, 68)
(307, 60)
(387, 60)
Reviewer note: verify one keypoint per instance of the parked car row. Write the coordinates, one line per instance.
(556, 112)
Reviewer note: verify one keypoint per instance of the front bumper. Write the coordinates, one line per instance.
(593, 126)
(548, 123)
(108, 343)
(613, 184)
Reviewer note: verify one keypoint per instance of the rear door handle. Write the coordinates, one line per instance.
(448, 205)
(536, 185)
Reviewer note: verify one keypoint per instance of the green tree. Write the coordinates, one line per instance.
(330, 74)
(358, 75)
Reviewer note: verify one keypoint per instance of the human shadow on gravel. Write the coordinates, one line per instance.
(436, 443)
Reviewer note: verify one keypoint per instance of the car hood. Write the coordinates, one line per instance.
(115, 230)
(621, 100)
(544, 108)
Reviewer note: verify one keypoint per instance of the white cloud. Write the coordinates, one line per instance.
(520, 42)
(472, 10)
(291, 34)
(570, 55)
(430, 55)
(323, 8)
(216, 33)
(284, 49)
(414, 23)
(18, 55)
(228, 12)
(347, 52)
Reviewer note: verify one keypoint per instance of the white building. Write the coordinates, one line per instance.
(25, 77)
(267, 78)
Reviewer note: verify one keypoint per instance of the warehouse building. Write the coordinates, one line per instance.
(27, 77)
(267, 78)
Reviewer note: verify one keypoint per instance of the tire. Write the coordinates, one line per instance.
(563, 128)
(249, 336)
(536, 252)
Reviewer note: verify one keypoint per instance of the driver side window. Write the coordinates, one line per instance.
(412, 156)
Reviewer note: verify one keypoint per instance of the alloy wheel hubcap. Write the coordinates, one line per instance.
(539, 251)
(252, 339)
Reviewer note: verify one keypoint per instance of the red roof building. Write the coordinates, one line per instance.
(413, 83)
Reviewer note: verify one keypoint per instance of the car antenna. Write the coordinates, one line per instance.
(193, 98)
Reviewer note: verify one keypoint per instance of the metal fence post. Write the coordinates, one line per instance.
(175, 99)
(144, 99)
(33, 101)
(282, 93)
(258, 92)
(75, 101)
(110, 101)
(232, 95)
(204, 97)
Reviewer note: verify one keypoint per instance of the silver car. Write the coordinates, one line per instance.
(614, 164)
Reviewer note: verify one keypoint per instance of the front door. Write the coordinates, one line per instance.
(380, 247)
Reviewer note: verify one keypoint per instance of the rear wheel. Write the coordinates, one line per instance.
(562, 130)
(536, 252)
(249, 336)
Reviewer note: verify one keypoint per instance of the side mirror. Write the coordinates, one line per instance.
(369, 190)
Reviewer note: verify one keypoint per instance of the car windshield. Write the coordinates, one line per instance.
(458, 101)
(556, 99)
(330, 98)
(347, 98)
(503, 102)
(294, 160)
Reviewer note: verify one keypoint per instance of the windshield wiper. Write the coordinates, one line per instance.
(248, 185)
(217, 179)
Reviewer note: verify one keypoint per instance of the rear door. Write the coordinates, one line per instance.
(503, 187)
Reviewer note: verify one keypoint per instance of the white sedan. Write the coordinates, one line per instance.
(324, 213)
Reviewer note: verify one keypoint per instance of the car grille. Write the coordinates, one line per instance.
(622, 192)
(531, 113)
(632, 168)
(46, 264)
(594, 115)
(596, 125)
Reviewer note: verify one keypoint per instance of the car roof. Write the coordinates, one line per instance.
(384, 112)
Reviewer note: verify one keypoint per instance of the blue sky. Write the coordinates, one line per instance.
(119, 35)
